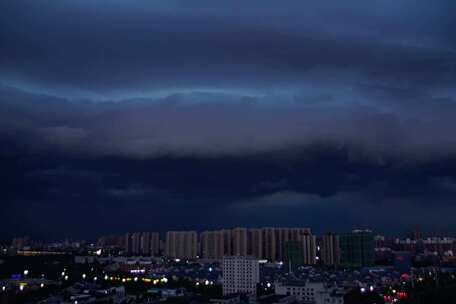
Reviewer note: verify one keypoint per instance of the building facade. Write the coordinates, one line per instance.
(329, 249)
(310, 292)
(357, 248)
(240, 275)
(182, 244)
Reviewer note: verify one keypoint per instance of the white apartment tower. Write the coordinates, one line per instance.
(240, 275)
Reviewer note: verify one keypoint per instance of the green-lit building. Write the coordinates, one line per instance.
(357, 248)
(294, 254)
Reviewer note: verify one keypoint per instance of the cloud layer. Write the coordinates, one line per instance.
(213, 125)
(96, 49)
(164, 114)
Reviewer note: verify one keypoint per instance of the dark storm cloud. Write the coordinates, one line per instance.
(202, 114)
(72, 168)
(60, 196)
(213, 125)
(119, 48)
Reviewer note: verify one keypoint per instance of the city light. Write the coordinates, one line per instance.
(84, 275)
(26, 272)
(3, 288)
(42, 285)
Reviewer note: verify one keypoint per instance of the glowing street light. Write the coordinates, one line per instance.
(84, 276)
(26, 272)
(42, 285)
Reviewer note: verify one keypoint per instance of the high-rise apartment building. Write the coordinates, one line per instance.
(269, 243)
(357, 248)
(309, 248)
(329, 249)
(240, 275)
(150, 243)
(133, 243)
(239, 238)
(294, 256)
(213, 244)
(255, 243)
(227, 244)
(142, 243)
(182, 244)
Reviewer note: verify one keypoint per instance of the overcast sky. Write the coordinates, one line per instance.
(156, 115)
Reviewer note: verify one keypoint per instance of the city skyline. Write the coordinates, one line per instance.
(165, 115)
(205, 234)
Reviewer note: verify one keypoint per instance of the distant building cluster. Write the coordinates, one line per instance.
(293, 246)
